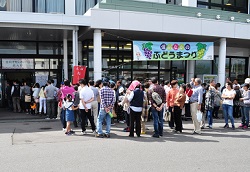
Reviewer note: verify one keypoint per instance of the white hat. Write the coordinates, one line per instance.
(121, 90)
(247, 80)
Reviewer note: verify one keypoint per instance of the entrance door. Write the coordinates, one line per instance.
(11, 76)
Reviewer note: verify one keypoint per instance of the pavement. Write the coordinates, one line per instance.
(39, 145)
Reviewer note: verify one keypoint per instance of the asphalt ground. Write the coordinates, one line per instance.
(41, 145)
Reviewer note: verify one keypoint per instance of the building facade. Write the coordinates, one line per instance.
(44, 39)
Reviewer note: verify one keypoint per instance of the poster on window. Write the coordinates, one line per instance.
(13, 63)
(79, 73)
(155, 51)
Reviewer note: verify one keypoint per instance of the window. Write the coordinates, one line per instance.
(41, 63)
(203, 67)
(17, 48)
(49, 6)
(50, 48)
(240, 6)
(82, 6)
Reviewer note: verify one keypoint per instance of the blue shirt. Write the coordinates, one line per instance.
(197, 95)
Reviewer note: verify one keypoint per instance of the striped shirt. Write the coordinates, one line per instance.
(107, 97)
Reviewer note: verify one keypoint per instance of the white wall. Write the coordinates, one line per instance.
(189, 3)
(232, 51)
(138, 21)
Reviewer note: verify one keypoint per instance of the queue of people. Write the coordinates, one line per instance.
(133, 103)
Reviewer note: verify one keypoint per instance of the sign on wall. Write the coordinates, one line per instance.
(155, 51)
(13, 63)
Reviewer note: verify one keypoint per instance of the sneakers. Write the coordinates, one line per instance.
(68, 133)
(94, 132)
(64, 129)
(107, 135)
(83, 132)
(127, 129)
(226, 126)
(155, 136)
(244, 127)
(143, 132)
(233, 127)
(121, 122)
(99, 135)
(241, 126)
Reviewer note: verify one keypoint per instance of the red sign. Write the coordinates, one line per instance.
(79, 73)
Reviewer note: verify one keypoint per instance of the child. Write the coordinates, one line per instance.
(33, 107)
(68, 105)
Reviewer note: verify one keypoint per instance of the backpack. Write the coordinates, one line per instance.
(157, 98)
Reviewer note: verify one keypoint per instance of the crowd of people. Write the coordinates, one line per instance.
(133, 103)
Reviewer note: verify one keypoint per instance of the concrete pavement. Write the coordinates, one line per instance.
(40, 145)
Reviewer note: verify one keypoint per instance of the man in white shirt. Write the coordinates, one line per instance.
(86, 97)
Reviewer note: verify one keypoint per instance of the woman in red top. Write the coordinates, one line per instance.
(189, 93)
(170, 101)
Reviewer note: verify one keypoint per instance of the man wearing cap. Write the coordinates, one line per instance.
(107, 102)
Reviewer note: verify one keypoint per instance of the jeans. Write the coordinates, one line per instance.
(62, 118)
(42, 102)
(228, 112)
(210, 117)
(245, 115)
(215, 111)
(158, 121)
(101, 116)
(50, 104)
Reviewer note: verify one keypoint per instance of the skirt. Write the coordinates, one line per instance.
(69, 116)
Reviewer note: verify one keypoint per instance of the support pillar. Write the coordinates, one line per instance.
(75, 47)
(222, 61)
(190, 70)
(65, 59)
(80, 52)
(97, 54)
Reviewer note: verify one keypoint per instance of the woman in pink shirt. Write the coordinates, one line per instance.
(170, 101)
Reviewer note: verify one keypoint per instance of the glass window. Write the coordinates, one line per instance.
(50, 48)
(55, 6)
(17, 48)
(126, 46)
(125, 61)
(180, 65)
(80, 7)
(90, 4)
(41, 63)
(238, 69)
(216, 1)
(91, 60)
(140, 65)
(40, 6)
(53, 63)
(229, 2)
(27, 5)
(165, 64)
(203, 67)
(153, 65)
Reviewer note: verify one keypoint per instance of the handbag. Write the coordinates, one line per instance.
(27, 98)
(167, 116)
(199, 116)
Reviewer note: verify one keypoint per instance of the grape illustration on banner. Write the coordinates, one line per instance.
(147, 48)
(201, 49)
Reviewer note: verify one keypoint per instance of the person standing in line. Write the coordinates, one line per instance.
(35, 95)
(217, 101)
(170, 101)
(42, 101)
(8, 96)
(179, 102)
(157, 99)
(237, 103)
(49, 93)
(65, 90)
(188, 93)
(136, 104)
(76, 103)
(228, 95)
(94, 103)
(209, 103)
(107, 103)
(27, 92)
(86, 97)
(16, 94)
(246, 108)
(195, 103)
